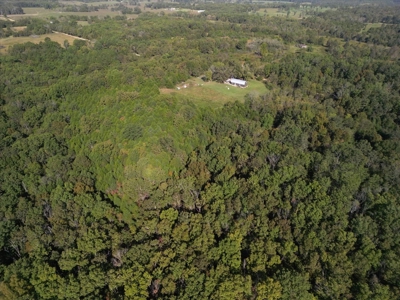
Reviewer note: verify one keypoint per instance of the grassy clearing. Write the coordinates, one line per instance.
(41, 12)
(18, 28)
(276, 12)
(213, 94)
(261, 1)
(89, 3)
(313, 49)
(165, 10)
(294, 13)
(56, 37)
(271, 12)
(83, 23)
(371, 25)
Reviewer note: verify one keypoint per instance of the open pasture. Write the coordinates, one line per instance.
(294, 12)
(56, 37)
(214, 94)
(89, 3)
(18, 28)
(368, 26)
(40, 12)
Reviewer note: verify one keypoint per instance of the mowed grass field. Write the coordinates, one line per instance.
(214, 94)
(56, 37)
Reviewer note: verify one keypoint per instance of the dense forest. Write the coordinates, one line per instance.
(111, 188)
(10, 8)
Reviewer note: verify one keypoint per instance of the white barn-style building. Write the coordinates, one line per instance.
(237, 82)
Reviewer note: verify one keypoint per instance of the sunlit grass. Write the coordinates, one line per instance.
(40, 12)
(294, 13)
(371, 25)
(56, 37)
(214, 94)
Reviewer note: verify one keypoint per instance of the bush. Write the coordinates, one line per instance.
(133, 132)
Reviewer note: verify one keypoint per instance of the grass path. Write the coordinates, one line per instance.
(75, 37)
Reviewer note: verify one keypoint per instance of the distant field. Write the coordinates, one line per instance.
(271, 12)
(276, 12)
(295, 13)
(215, 94)
(18, 28)
(83, 23)
(371, 25)
(56, 37)
(261, 1)
(41, 12)
(313, 49)
(89, 3)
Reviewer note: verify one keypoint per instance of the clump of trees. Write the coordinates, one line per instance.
(9, 8)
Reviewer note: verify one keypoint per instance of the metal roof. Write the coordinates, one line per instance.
(237, 81)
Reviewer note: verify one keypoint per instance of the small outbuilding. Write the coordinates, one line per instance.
(237, 82)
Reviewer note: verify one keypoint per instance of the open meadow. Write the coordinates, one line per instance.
(368, 26)
(294, 12)
(5, 43)
(90, 3)
(40, 12)
(214, 94)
